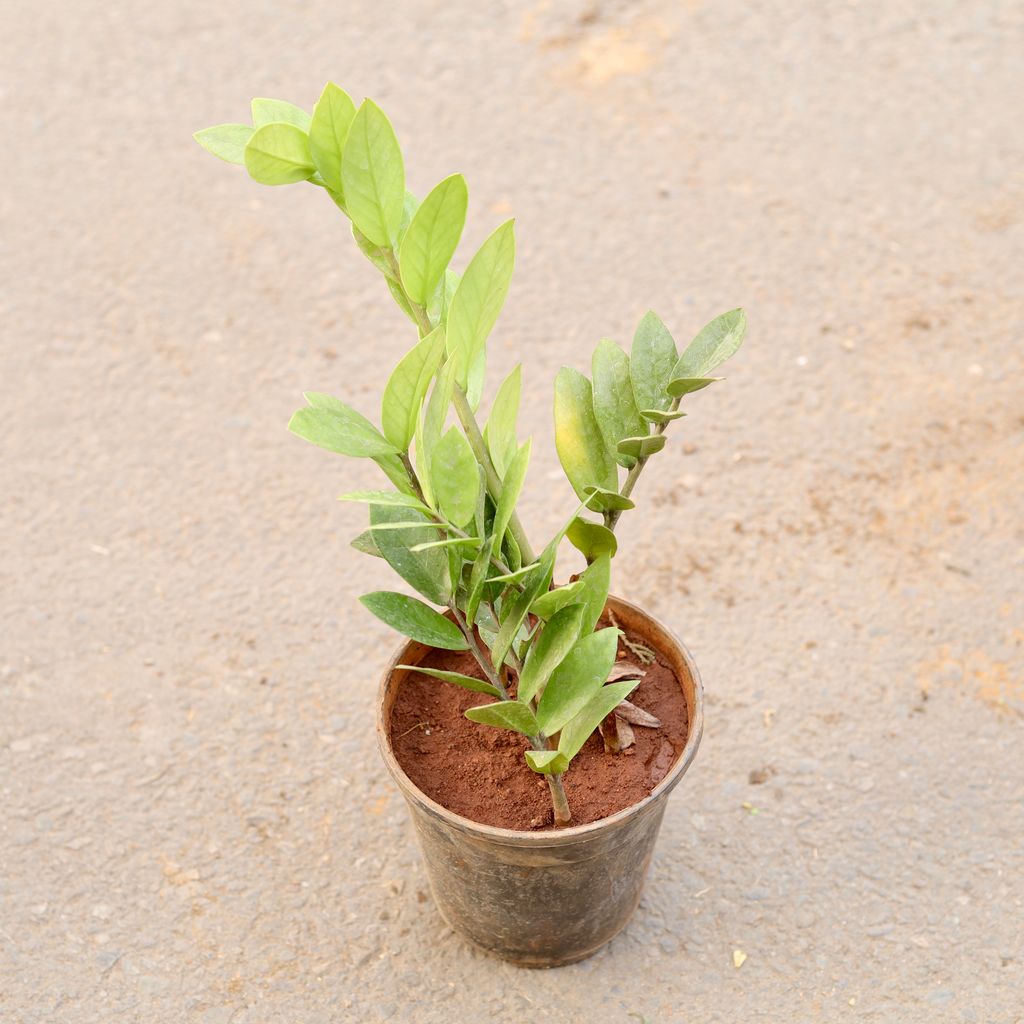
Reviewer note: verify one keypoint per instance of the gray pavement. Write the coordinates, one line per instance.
(196, 826)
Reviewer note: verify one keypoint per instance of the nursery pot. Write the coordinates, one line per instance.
(543, 899)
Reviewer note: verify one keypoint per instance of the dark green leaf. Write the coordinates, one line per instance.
(505, 714)
(614, 404)
(466, 682)
(366, 544)
(415, 619)
(578, 439)
(650, 365)
(477, 579)
(554, 600)
(578, 730)
(580, 675)
(424, 571)
(548, 650)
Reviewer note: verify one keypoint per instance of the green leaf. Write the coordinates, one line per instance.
(579, 676)
(500, 431)
(475, 379)
(331, 424)
(614, 404)
(578, 730)
(415, 620)
(466, 682)
(642, 447)
(366, 544)
(448, 542)
(385, 498)
(513, 577)
(424, 571)
(715, 343)
(651, 360)
(546, 653)
(533, 586)
(430, 424)
(555, 600)
(578, 439)
(278, 111)
(478, 299)
(328, 130)
(378, 256)
(454, 477)
(593, 539)
(686, 385)
(394, 470)
(599, 500)
(407, 387)
(477, 579)
(657, 416)
(226, 141)
(278, 154)
(547, 762)
(373, 175)
(432, 237)
(511, 485)
(505, 714)
(594, 582)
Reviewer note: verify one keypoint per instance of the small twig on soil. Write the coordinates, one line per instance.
(418, 725)
(642, 651)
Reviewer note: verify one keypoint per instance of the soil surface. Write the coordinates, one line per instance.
(480, 772)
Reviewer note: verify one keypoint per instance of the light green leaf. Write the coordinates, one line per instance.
(478, 299)
(715, 343)
(328, 130)
(407, 387)
(415, 619)
(578, 730)
(405, 524)
(477, 579)
(579, 676)
(424, 571)
(466, 682)
(337, 427)
(432, 237)
(555, 600)
(278, 154)
(614, 404)
(686, 385)
(278, 111)
(578, 439)
(226, 141)
(475, 379)
(513, 577)
(547, 651)
(642, 447)
(594, 582)
(385, 498)
(599, 500)
(505, 714)
(651, 360)
(511, 485)
(430, 424)
(454, 477)
(373, 175)
(378, 256)
(657, 416)
(547, 762)
(500, 432)
(394, 470)
(365, 543)
(448, 542)
(593, 539)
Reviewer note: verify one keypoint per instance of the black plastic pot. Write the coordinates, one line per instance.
(543, 899)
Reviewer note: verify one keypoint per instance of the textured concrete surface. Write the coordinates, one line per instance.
(196, 826)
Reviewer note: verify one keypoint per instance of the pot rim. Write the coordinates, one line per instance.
(561, 836)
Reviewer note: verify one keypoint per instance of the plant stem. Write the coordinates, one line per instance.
(563, 816)
(467, 631)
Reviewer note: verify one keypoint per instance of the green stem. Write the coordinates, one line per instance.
(492, 677)
(563, 816)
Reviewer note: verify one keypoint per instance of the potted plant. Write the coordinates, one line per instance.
(517, 683)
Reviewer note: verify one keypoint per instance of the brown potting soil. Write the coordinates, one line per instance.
(480, 772)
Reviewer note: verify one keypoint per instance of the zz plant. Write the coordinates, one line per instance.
(448, 524)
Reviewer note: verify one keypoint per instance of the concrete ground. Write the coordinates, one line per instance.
(196, 826)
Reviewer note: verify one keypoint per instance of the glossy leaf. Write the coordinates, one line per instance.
(594, 582)
(593, 539)
(448, 542)
(454, 477)
(515, 575)
(642, 447)
(385, 498)
(614, 405)
(657, 416)
(328, 130)
(429, 426)
(478, 299)
(578, 439)
(407, 387)
(599, 500)
(373, 175)
(579, 676)
(505, 714)
(511, 485)
(715, 343)
(687, 385)
(500, 431)
(226, 141)
(425, 571)
(466, 682)
(651, 360)
(553, 601)
(546, 653)
(579, 729)
(547, 762)
(266, 111)
(533, 586)
(477, 579)
(415, 619)
(278, 154)
(329, 423)
(432, 237)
